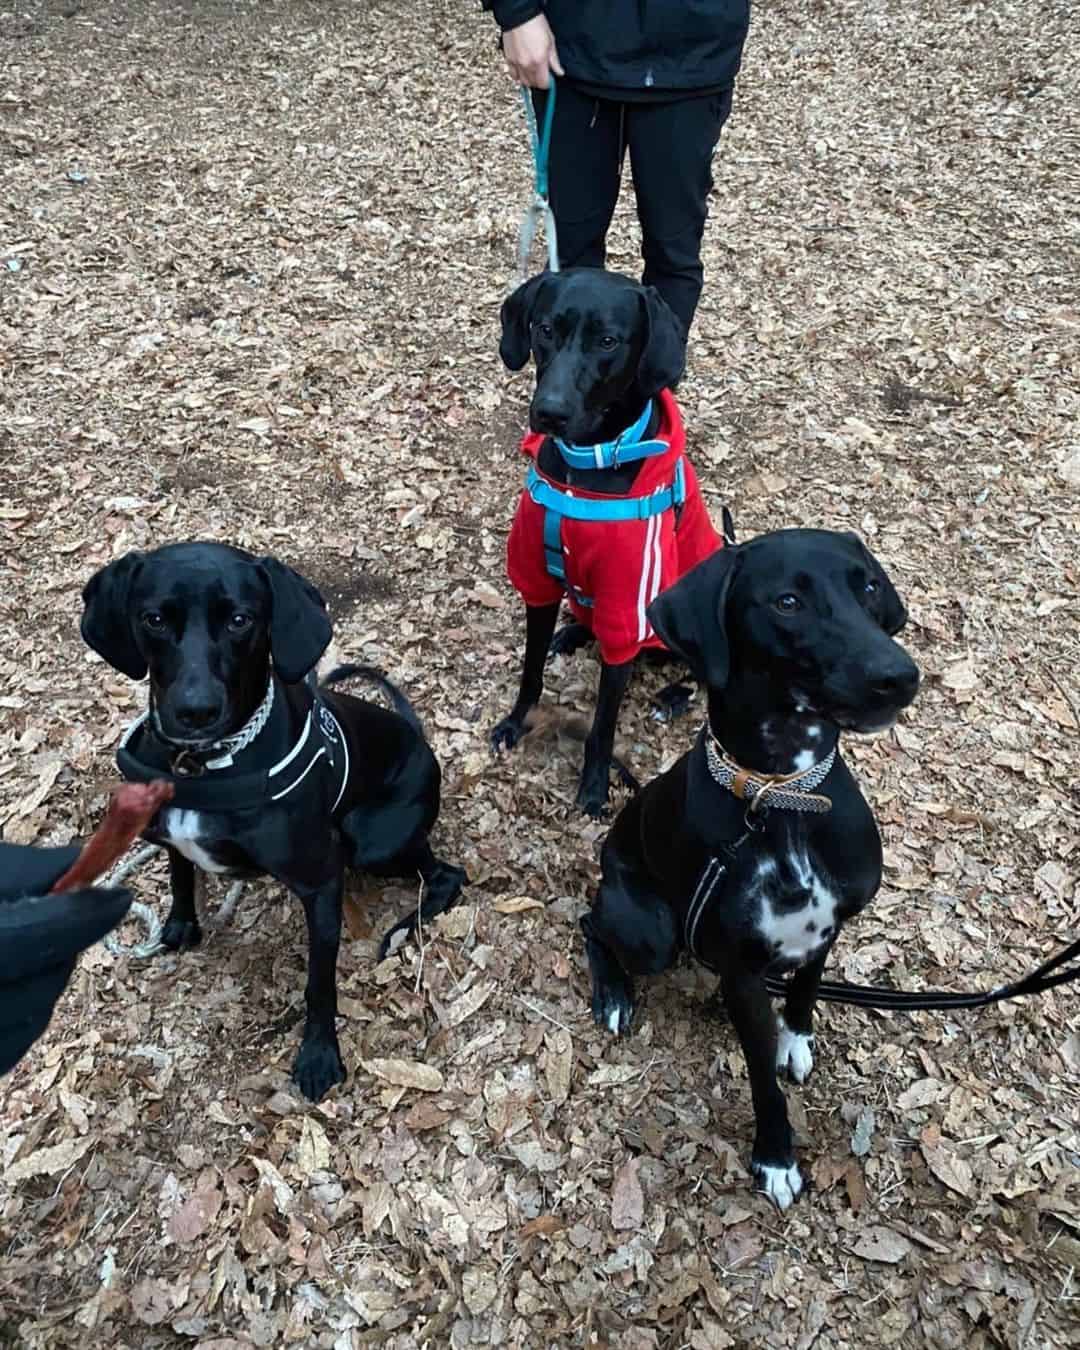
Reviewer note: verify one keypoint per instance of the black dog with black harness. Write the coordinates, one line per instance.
(273, 775)
(753, 850)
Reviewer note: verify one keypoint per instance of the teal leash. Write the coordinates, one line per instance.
(540, 207)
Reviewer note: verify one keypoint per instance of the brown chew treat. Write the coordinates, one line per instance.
(131, 809)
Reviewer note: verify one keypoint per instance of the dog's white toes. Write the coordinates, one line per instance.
(783, 1185)
(794, 1051)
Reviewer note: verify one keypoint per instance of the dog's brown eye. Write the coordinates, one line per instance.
(872, 586)
(788, 604)
(543, 330)
(153, 622)
(239, 623)
(609, 343)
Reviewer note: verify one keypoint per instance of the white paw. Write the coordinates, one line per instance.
(783, 1185)
(794, 1051)
(613, 1012)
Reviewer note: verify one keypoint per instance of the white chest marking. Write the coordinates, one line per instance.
(796, 748)
(183, 830)
(794, 934)
(806, 759)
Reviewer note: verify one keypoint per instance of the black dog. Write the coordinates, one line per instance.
(754, 869)
(272, 775)
(611, 513)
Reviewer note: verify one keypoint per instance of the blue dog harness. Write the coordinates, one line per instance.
(558, 503)
(626, 448)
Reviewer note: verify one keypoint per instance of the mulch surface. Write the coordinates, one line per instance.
(251, 257)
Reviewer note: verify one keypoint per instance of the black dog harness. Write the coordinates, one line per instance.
(321, 748)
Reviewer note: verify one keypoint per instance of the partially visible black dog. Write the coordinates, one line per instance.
(273, 775)
(755, 848)
(611, 513)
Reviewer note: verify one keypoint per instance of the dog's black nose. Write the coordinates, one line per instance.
(898, 684)
(549, 417)
(196, 716)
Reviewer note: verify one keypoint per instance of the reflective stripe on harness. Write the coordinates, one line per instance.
(557, 504)
(206, 788)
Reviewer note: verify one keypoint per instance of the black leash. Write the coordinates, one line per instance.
(1047, 976)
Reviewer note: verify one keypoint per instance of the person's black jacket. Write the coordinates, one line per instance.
(41, 936)
(650, 46)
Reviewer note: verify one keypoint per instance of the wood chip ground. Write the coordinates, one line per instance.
(251, 258)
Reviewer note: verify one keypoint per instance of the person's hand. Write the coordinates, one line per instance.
(41, 936)
(531, 53)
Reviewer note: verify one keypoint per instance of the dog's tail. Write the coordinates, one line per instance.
(402, 706)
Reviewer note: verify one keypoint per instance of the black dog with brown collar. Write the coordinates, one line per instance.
(755, 848)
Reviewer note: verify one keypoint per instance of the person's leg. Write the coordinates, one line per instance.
(671, 151)
(584, 167)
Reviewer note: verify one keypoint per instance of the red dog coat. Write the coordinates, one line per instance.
(614, 568)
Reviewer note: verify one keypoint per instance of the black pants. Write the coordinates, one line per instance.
(671, 147)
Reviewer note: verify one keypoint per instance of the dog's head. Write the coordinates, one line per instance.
(810, 612)
(205, 620)
(601, 344)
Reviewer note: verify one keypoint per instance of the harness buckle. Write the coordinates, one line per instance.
(186, 766)
(678, 491)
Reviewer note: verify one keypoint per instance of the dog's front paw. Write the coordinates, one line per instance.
(593, 805)
(506, 734)
(783, 1184)
(794, 1051)
(318, 1067)
(671, 702)
(396, 937)
(613, 1008)
(593, 791)
(179, 935)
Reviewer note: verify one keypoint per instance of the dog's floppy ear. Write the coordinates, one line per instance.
(663, 357)
(516, 317)
(894, 615)
(108, 626)
(690, 617)
(299, 627)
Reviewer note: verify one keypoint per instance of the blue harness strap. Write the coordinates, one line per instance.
(558, 504)
(564, 503)
(553, 545)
